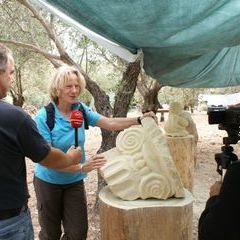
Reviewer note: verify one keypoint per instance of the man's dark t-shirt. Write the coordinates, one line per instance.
(19, 138)
(220, 219)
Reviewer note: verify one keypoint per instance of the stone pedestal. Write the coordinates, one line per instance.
(183, 153)
(150, 219)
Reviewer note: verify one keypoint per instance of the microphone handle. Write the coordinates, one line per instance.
(76, 137)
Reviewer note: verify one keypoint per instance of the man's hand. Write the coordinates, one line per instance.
(74, 154)
(95, 162)
(215, 189)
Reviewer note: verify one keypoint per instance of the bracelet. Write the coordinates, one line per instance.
(139, 120)
(81, 167)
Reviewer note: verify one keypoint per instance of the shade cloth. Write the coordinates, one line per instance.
(185, 43)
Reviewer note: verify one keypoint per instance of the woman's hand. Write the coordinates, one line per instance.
(95, 162)
(150, 114)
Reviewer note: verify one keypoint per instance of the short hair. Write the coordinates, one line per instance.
(5, 54)
(61, 77)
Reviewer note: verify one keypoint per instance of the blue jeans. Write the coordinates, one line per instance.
(17, 228)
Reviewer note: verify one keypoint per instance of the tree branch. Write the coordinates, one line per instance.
(45, 24)
(32, 48)
(108, 60)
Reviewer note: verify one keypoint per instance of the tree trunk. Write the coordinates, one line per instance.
(126, 89)
(18, 99)
(151, 219)
(17, 92)
(151, 102)
(149, 89)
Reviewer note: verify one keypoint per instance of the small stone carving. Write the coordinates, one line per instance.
(180, 122)
(176, 124)
(141, 165)
(191, 128)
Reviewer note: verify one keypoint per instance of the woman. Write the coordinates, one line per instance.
(60, 195)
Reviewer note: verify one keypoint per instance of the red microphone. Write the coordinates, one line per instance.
(76, 120)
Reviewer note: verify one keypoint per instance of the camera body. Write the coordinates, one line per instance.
(228, 119)
(223, 115)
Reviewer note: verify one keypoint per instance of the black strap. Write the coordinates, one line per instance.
(81, 108)
(50, 121)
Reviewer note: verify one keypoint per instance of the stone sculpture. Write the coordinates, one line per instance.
(177, 124)
(141, 165)
(180, 122)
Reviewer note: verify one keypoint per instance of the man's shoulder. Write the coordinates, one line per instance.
(11, 111)
(8, 106)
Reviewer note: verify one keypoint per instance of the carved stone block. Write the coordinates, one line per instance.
(141, 165)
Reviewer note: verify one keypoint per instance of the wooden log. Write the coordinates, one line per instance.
(183, 153)
(150, 219)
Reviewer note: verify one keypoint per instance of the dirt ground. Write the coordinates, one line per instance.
(210, 141)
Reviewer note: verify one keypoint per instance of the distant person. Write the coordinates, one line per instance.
(60, 194)
(220, 219)
(19, 138)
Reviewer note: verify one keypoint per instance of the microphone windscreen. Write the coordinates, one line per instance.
(76, 119)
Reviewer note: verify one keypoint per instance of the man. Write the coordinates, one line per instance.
(220, 219)
(19, 138)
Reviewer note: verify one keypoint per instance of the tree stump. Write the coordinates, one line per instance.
(183, 151)
(150, 219)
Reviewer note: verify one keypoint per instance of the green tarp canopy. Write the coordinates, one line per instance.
(185, 43)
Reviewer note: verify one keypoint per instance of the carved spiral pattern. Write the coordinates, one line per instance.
(130, 141)
(155, 186)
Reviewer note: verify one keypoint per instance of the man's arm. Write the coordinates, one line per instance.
(95, 162)
(35, 147)
(219, 220)
(207, 226)
(57, 159)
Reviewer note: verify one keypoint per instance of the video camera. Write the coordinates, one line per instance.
(227, 119)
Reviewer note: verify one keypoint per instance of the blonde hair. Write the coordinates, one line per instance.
(61, 77)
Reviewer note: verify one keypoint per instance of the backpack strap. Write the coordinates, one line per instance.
(50, 121)
(81, 108)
